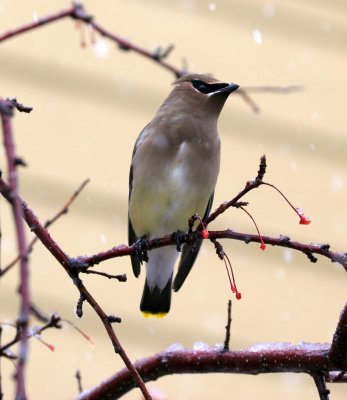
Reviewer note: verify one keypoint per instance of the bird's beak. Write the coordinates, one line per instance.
(228, 89)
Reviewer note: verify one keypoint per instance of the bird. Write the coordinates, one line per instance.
(173, 174)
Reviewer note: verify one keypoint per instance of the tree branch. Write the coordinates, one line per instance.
(274, 357)
(227, 328)
(338, 350)
(20, 209)
(23, 320)
(78, 12)
(323, 391)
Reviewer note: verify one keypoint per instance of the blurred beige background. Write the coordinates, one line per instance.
(89, 106)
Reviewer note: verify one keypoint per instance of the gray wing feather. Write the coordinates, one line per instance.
(189, 253)
(132, 238)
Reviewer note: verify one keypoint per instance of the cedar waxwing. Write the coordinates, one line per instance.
(174, 170)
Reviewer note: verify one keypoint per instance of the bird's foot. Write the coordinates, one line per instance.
(179, 238)
(141, 246)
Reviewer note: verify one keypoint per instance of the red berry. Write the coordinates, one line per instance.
(304, 220)
(205, 234)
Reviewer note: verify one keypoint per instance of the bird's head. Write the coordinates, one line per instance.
(201, 91)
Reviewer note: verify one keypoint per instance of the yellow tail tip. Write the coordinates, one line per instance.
(147, 314)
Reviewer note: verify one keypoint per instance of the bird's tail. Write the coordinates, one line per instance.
(156, 301)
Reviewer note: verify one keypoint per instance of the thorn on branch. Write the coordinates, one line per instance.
(325, 246)
(323, 391)
(311, 257)
(78, 377)
(79, 306)
(241, 204)
(19, 106)
(112, 319)
(160, 53)
(19, 161)
(262, 168)
(227, 329)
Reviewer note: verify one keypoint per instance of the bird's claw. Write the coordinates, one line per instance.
(179, 238)
(141, 246)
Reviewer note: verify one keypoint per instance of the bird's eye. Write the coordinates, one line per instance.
(201, 86)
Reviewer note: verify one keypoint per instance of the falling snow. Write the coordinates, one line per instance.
(101, 48)
(212, 6)
(257, 36)
(288, 255)
(280, 274)
(35, 16)
(268, 10)
(325, 25)
(337, 183)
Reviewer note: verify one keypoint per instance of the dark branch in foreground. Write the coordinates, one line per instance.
(20, 211)
(323, 362)
(287, 359)
(25, 295)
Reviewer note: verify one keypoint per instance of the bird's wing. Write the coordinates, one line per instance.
(189, 253)
(132, 237)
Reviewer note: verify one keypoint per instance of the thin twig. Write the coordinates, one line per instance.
(227, 328)
(78, 12)
(20, 107)
(323, 391)
(64, 210)
(79, 381)
(120, 278)
(250, 185)
(122, 250)
(338, 350)
(40, 315)
(23, 319)
(71, 267)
